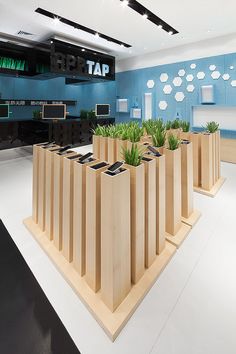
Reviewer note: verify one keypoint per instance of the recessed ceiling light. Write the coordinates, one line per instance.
(145, 16)
(56, 20)
(83, 50)
(125, 3)
(122, 45)
(96, 35)
(159, 26)
(170, 33)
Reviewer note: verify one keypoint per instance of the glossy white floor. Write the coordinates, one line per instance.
(192, 306)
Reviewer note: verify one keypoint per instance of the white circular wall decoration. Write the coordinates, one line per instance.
(190, 88)
(164, 77)
(181, 72)
(193, 66)
(177, 81)
(150, 84)
(163, 105)
(179, 96)
(167, 89)
(201, 75)
(189, 78)
(215, 75)
(226, 77)
(212, 67)
(233, 83)
(231, 67)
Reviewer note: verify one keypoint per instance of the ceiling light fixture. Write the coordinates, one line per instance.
(96, 34)
(170, 33)
(83, 50)
(73, 24)
(143, 11)
(56, 20)
(145, 16)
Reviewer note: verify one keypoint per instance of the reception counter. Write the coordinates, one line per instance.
(73, 131)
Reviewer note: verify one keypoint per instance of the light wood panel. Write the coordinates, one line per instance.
(93, 225)
(187, 179)
(120, 144)
(67, 208)
(41, 187)
(49, 189)
(58, 197)
(150, 210)
(195, 138)
(115, 238)
(184, 135)
(35, 182)
(79, 217)
(137, 189)
(207, 161)
(112, 154)
(173, 191)
(228, 150)
(96, 146)
(103, 148)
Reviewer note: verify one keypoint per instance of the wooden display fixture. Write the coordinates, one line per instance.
(111, 322)
(96, 146)
(214, 190)
(195, 139)
(137, 181)
(79, 217)
(93, 224)
(175, 229)
(49, 191)
(160, 202)
(227, 150)
(120, 145)
(189, 215)
(184, 135)
(103, 148)
(150, 210)
(112, 154)
(67, 208)
(115, 238)
(58, 196)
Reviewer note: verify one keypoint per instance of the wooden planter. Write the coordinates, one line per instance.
(195, 139)
(79, 216)
(58, 197)
(35, 188)
(207, 161)
(49, 190)
(218, 157)
(173, 191)
(112, 154)
(67, 211)
(120, 144)
(184, 135)
(175, 132)
(93, 224)
(103, 148)
(137, 181)
(160, 202)
(150, 210)
(115, 238)
(96, 146)
(146, 139)
(187, 179)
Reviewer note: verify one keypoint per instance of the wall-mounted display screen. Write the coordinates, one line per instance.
(54, 111)
(102, 110)
(4, 111)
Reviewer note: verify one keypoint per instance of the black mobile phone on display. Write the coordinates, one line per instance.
(115, 167)
(64, 149)
(153, 150)
(86, 157)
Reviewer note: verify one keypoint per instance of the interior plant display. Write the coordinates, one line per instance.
(175, 124)
(212, 127)
(36, 114)
(132, 156)
(113, 131)
(168, 125)
(173, 142)
(135, 133)
(159, 138)
(185, 126)
(98, 130)
(91, 114)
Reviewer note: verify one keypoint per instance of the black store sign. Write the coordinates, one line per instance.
(73, 61)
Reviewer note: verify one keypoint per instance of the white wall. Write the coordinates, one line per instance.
(225, 116)
(197, 50)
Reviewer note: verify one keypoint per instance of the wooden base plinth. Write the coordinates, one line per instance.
(214, 190)
(193, 218)
(111, 322)
(181, 235)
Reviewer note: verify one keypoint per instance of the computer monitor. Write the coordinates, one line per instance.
(4, 111)
(102, 110)
(54, 111)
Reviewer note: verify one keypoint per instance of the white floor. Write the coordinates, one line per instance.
(192, 307)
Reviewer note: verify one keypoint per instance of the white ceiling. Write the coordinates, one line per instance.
(195, 20)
